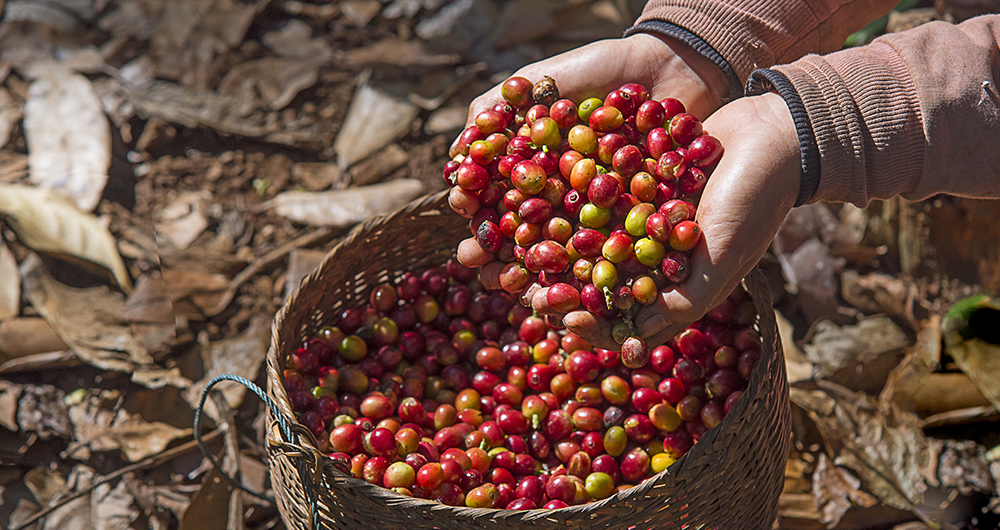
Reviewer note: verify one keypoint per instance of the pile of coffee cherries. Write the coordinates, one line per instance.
(596, 201)
(440, 389)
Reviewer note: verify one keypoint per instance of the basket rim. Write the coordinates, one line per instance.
(438, 205)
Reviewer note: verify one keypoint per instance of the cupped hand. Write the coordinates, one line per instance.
(740, 211)
(666, 67)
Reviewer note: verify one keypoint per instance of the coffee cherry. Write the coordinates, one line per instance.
(545, 92)
(517, 91)
(684, 128)
(605, 119)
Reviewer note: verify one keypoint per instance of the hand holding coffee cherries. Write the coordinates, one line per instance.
(743, 204)
(594, 201)
(630, 163)
(666, 67)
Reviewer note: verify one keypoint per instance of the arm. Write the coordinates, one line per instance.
(741, 35)
(912, 114)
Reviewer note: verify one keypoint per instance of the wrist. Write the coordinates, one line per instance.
(703, 59)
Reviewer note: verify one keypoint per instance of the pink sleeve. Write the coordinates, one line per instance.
(751, 34)
(913, 114)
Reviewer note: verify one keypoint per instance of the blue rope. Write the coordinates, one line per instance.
(286, 432)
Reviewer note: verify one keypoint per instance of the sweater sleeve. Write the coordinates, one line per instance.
(751, 34)
(914, 114)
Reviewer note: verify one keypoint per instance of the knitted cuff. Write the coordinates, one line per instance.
(659, 27)
(764, 80)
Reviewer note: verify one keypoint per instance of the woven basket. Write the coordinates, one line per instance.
(730, 479)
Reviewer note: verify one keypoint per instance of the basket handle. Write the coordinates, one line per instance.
(291, 436)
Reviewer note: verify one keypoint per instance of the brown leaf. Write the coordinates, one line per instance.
(10, 113)
(27, 336)
(88, 320)
(372, 169)
(374, 119)
(835, 491)
(360, 12)
(45, 222)
(210, 508)
(277, 80)
(316, 176)
(886, 448)
(9, 395)
(182, 220)
(99, 425)
(796, 364)
(114, 508)
(832, 347)
(42, 409)
(301, 262)
(295, 40)
(397, 52)
(68, 136)
(77, 513)
(10, 286)
(202, 289)
(44, 483)
(149, 301)
(242, 355)
(980, 361)
(102, 430)
(878, 293)
(345, 207)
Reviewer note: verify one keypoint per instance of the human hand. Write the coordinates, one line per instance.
(667, 67)
(742, 206)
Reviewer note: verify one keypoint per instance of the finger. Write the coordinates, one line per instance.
(471, 254)
(540, 303)
(592, 328)
(489, 275)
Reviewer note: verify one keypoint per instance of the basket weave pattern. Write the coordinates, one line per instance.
(730, 479)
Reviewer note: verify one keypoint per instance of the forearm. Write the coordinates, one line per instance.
(749, 34)
(912, 114)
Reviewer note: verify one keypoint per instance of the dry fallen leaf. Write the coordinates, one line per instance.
(114, 508)
(831, 347)
(796, 364)
(277, 80)
(835, 490)
(210, 508)
(301, 262)
(46, 222)
(372, 169)
(183, 219)
(374, 119)
(42, 409)
(295, 40)
(10, 285)
(10, 112)
(886, 447)
(98, 427)
(317, 176)
(9, 394)
(345, 207)
(44, 483)
(360, 12)
(27, 336)
(242, 355)
(68, 137)
(398, 52)
(87, 319)
(77, 513)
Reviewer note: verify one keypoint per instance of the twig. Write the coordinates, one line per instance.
(148, 462)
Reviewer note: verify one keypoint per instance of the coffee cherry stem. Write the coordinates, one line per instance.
(608, 297)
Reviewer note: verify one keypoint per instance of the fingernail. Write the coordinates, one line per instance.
(652, 325)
